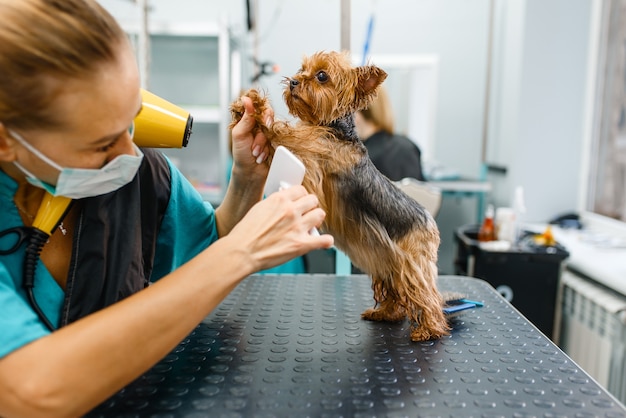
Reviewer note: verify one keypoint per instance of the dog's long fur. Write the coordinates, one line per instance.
(385, 233)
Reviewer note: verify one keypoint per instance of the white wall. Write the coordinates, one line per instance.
(179, 10)
(547, 154)
(537, 115)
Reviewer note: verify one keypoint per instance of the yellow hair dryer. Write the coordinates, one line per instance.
(160, 124)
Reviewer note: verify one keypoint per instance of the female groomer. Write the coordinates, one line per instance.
(69, 91)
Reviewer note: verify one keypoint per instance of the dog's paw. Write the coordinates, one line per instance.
(259, 101)
(421, 334)
(378, 314)
(236, 112)
(424, 333)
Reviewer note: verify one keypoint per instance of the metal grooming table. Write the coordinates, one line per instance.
(295, 346)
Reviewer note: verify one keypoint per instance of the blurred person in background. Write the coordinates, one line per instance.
(395, 155)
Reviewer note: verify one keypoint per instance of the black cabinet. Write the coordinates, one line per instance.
(526, 275)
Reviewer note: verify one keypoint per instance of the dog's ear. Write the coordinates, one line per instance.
(369, 77)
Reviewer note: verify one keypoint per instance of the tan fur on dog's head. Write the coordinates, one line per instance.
(328, 87)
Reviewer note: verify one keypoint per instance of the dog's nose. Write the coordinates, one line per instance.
(293, 84)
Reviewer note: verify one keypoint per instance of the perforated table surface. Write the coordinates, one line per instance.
(295, 346)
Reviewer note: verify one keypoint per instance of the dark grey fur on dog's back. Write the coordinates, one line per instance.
(369, 193)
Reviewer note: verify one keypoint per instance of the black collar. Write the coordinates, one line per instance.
(344, 128)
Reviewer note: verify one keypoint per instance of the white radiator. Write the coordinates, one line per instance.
(592, 330)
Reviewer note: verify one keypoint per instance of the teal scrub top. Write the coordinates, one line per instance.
(188, 227)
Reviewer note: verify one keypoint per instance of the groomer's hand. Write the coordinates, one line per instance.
(250, 149)
(250, 146)
(277, 229)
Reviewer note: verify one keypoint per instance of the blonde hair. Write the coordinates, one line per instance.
(42, 43)
(379, 112)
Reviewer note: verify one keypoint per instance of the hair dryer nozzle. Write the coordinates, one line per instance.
(161, 124)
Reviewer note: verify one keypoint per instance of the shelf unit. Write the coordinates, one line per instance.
(195, 66)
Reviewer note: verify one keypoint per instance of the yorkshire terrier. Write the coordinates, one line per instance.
(386, 233)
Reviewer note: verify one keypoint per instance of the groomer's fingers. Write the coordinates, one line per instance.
(295, 192)
(260, 147)
(247, 122)
(268, 116)
(307, 203)
(302, 201)
(314, 218)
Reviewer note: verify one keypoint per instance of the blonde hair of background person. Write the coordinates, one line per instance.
(69, 87)
(394, 155)
(379, 113)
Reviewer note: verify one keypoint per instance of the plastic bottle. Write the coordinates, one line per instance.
(487, 231)
(505, 224)
(519, 207)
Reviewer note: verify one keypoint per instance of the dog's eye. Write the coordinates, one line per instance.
(322, 77)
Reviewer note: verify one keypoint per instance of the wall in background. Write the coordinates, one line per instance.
(538, 100)
(180, 10)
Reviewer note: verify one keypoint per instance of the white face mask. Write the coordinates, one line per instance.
(78, 183)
